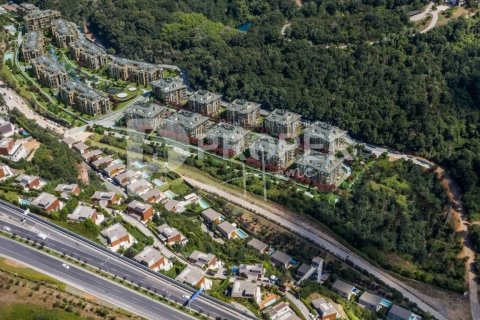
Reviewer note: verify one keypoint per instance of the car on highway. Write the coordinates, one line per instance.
(66, 266)
(186, 297)
(42, 236)
(6, 228)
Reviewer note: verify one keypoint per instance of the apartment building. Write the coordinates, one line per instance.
(227, 138)
(205, 102)
(64, 32)
(38, 20)
(84, 99)
(88, 54)
(139, 72)
(270, 152)
(243, 113)
(185, 124)
(33, 46)
(49, 72)
(320, 168)
(321, 136)
(170, 90)
(145, 116)
(26, 8)
(282, 123)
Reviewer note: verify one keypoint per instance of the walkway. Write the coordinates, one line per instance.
(299, 304)
(427, 13)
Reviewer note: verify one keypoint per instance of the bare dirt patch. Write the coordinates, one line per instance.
(14, 264)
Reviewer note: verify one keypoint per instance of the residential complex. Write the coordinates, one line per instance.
(271, 152)
(139, 72)
(84, 99)
(34, 46)
(204, 102)
(170, 90)
(282, 123)
(145, 116)
(243, 113)
(64, 32)
(321, 168)
(88, 54)
(185, 124)
(227, 138)
(38, 20)
(49, 72)
(324, 137)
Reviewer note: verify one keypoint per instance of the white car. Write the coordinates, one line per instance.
(42, 236)
(186, 297)
(66, 266)
(6, 228)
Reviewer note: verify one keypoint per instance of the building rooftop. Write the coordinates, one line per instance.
(324, 307)
(35, 14)
(100, 195)
(187, 119)
(169, 84)
(32, 40)
(281, 257)
(149, 255)
(80, 146)
(142, 183)
(115, 232)
(283, 116)
(44, 200)
(342, 286)
(91, 154)
(228, 132)
(167, 231)
(204, 97)
(25, 179)
(370, 298)
(244, 288)
(102, 161)
(145, 110)
(397, 312)
(49, 64)
(324, 131)
(243, 106)
(153, 193)
(139, 206)
(88, 47)
(320, 162)
(81, 213)
(257, 244)
(136, 64)
(201, 259)
(66, 187)
(64, 27)
(304, 268)
(281, 311)
(210, 214)
(82, 90)
(190, 276)
(128, 174)
(226, 227)
(271, 146)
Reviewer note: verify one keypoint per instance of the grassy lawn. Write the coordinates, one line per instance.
(27, 273)
(22, 311)
(180, 187)
(78, 228)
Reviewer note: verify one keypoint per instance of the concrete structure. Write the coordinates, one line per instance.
(170, 235)
(246, 289)
(143, 210)
(37, 20)
(260, 246)
(251, 271)
(203, 260)
(399, 313)
(185, 124)
(46, 201)
(154, 196)
(272, 153)
(114, 168)
(282, 123)
(170, 90)
(26, 8)
(84, 99)
(139, 187)
(153, 259)
(370, 301)
(82, 213)
(33, 46)
(145, 116)
(7, 129)
(139, 72)
(343, 289)
(126, 177)
(67, 189)
(324, 137)
(63, 32)
(205, 102)
(281, 259)
(28, 182)
(105, 199)
(227, 229)
(49, 72)
(116, 235)
(281, 311)
(192, 277)
(175, 206)
(226, 138)
(243, 113)
(88, 54)
(211, 216)
(325, 309)
(320, 167)
(81, 147)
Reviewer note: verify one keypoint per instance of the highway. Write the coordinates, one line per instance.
(102, 258)
(91, 283)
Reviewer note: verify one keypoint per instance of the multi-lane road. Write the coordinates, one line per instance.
(89, 282)
(123, 268)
